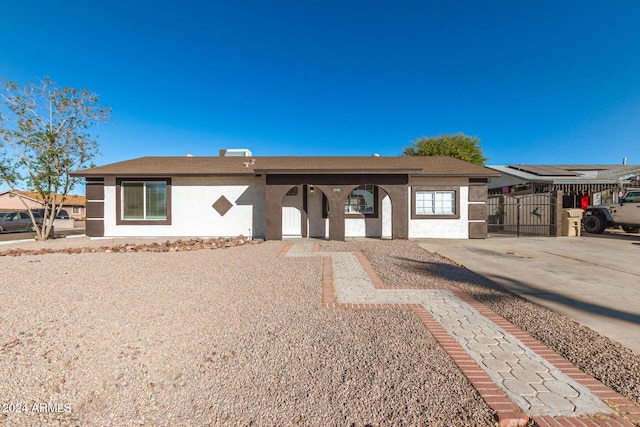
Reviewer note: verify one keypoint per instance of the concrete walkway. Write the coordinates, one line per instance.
(592, 280)
(531, 379)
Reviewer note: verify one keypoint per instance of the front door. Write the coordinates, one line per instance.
(292, 213)
(291, 222)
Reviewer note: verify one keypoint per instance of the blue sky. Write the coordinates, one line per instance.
(537, 82)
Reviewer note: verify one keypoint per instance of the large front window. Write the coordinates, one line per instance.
(144, 200)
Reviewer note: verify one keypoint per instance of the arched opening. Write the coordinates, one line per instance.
(304, 212)
(368, 212)
(326, 204)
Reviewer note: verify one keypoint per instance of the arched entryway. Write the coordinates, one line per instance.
(304, 212)
(325, 216)
(368, 212)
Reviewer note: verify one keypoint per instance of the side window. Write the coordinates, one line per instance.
(24, 215)
(632, 197)
(293, 191)
(437, 202)
(363, 201)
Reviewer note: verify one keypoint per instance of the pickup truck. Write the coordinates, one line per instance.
(625, 214)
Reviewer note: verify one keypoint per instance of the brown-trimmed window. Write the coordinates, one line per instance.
(435, 203)
(362, 201)
(144, 201)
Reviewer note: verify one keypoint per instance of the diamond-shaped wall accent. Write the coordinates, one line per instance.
(222, 205)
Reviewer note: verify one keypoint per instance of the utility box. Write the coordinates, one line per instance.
(571, 222)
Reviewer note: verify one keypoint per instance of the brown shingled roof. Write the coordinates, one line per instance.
(212, 166)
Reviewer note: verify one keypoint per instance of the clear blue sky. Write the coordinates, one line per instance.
(537, 82)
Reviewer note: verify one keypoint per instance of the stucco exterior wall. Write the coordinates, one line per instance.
(387, 216)
(372, 227)
(192, 211)
(441, 228)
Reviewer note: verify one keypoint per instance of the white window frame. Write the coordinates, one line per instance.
(437, 202)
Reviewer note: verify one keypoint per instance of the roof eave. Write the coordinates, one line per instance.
(459, 175)
(337, 171)
(156, 175)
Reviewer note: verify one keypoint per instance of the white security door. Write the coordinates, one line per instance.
(291, 222)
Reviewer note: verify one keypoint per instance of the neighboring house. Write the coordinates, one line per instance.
(276, 197)
(581, 185)
(10, 200)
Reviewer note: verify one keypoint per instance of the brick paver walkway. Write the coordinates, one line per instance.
(518, 379)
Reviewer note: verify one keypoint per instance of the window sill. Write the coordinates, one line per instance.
(352, 215)
(144, 222)
(453, 216)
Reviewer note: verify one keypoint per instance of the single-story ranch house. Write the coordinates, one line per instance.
(276, 197)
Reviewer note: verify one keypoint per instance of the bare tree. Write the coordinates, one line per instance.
(44, 136)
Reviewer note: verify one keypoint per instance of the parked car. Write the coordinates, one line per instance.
(61, 215)
(14, 220)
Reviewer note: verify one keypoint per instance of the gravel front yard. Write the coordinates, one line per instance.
(237, 337)
(214, 337)
(404, 264)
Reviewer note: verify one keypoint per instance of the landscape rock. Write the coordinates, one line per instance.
(192, 244)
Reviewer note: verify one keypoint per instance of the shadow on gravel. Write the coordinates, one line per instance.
(527, 289)
(502, 283)
(452, 272)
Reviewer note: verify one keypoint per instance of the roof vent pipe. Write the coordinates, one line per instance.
(624, 161)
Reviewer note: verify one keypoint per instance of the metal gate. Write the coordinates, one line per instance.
(524, 215)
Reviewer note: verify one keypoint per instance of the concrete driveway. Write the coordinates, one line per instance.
(594, 280)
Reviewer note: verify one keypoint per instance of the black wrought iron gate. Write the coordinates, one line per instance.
(523, 215)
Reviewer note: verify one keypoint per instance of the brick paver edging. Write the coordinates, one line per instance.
(508, 413)
(620, 403)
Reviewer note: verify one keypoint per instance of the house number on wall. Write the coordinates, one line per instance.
(336, 190)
